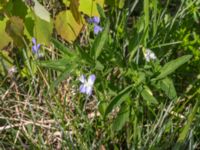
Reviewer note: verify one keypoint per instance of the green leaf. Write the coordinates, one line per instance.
(171, 66)
(117, 100)
(41, 11)
(43, 30)
(19, 9)
(121, 4)
(167, 86)
(6, 38)
(147, 95)
(59, 64)
(61, 47)
(74, 4)
(100, 41)
(15, 28)
(122, 118)
(89, 7)
(67, 27)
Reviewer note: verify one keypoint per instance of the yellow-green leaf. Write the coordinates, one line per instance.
(43, 31)
(15, 28)
(41, 11)
(66, 26)
(6, 39)
(74, 4)
(89, 7)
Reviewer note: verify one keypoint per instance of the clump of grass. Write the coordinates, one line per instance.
(137, 100)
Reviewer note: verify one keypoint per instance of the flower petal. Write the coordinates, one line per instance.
(34, 49)
(91, 79)
(96, 20)
(83, 88)
(89, 90)
(38, 46)
(34, 41)
(82, 79)
(97, 29)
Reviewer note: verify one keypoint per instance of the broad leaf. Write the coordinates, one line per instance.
(66, 26)
(41, 11)
(43, 31)
(6, 38)
(89, 7)
(74, 4)
(15, 28)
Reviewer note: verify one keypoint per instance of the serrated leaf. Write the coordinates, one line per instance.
(171, 66)
(41, 11)
(117, 100)
(121, 119)
(89, 7)
(100, 41)
(19, 9)
(67, 27)
(6, 38)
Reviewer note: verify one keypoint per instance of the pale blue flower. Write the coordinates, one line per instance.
(95, 20)
(35, 47)
(97, 29)
(87, 85)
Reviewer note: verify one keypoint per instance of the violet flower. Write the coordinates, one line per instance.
(87, 85)
(35, 47)
(95, 20)
(97, 29)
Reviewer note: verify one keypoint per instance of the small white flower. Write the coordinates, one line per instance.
(149, 55)
(87, 85)
(12, 70)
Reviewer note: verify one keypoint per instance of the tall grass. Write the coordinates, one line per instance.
(135, 104)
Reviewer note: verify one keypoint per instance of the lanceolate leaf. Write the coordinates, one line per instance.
(117, 100)
(167, 86)
(171, 66)
(100, 41)
(147, 95)
(122, 118)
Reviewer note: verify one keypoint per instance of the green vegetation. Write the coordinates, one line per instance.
(100, 74)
